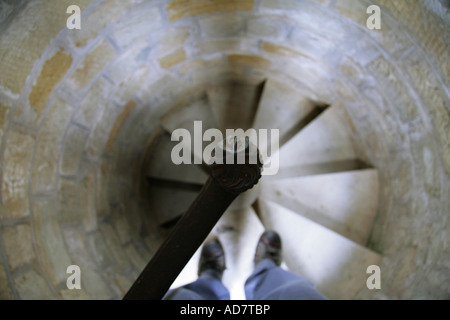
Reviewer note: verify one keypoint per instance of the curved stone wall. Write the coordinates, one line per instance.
(78, 109)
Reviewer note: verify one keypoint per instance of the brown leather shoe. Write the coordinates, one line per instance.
(212, 257)
(269, 247)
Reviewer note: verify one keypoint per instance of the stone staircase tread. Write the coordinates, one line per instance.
(184, 117)
(177, 202)
(281, 107)
(335, 264)
(345, 202)
(160, 164)
(319, 168)
(234, 104)
(325, 139)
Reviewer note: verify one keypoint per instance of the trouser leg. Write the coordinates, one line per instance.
(270, 282)
(207, 287)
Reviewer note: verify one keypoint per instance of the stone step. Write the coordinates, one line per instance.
(326, 139)
(344, 202)
(282, 107)
(184, 117)
(168, 200)
(319, 168)
(160, 165)
(335, 264)
(234, 105)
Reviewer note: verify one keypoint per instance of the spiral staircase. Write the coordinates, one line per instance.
(322, 201)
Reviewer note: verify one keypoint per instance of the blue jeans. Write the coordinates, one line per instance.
(267, 282)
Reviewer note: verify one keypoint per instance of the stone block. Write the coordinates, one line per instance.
(100, 251)
(45, 165)
(282, 50)
(7, 11)
(393, 39)
(16, 169)
(392, 127)
(309, 43)
(360, 50)
(18, 242)
(165, 85)
(135, 85)
(93, 63)
(75, 294)
(193, 66)
(441, 123)
(121, 225)
(51, 74)
(376, 149)
(223, 25)
(393, 89)
(88, 202)
(94, 22)
(172, 38)
(115, 248)
(69, 202)
(105, 119)
(290, 5)
(129, 62)
(94, 99)
(49, 241)
(151, 244)
(129, 129)
(218, 75)
(426, 158)
(120, 120)
(354, 10)
(402, 169)
(180, 9)
(267, 26)
(142, 23)
(311, 18)
(404, 268)
(92, 281)
(73, 146)
(136, 258)
(222, 45)
(32, 286)
(102, 180)
(316, 74)
(5, 291)
(27, 36)
(281, 4)
(248, 60)
(172, 59)
(128, 159)
(434, 98)
(5, 107)
(352, 70)
(122, 283)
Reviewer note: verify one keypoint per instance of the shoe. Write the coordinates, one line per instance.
(269, 247)
(212, 257)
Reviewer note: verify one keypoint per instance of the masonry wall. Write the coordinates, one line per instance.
(79, 107)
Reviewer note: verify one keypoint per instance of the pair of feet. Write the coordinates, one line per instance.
(213, 255)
